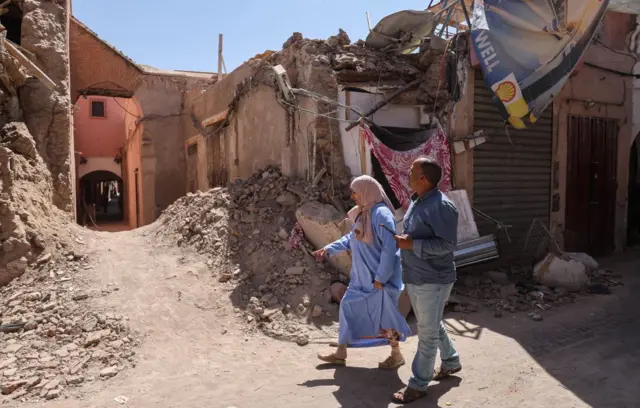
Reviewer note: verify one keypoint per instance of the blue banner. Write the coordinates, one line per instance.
(528, 49)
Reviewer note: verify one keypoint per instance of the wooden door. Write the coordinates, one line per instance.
(192, 168)
(591, 185)
(217, 168)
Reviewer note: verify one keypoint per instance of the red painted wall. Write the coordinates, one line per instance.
(99, 137)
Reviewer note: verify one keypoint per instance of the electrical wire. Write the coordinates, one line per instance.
(125, 109)
(612, 71)
(625, 54)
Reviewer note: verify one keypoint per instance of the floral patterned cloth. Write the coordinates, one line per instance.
(396, 165)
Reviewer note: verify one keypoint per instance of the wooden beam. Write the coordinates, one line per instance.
(114, 93)
(193, 140)
(212, 120)
(31, 67)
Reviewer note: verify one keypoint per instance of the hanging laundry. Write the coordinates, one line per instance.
(396, 165)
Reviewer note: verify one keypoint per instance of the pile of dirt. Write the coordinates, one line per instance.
(30, 222)
(50, 336)
(245, 232)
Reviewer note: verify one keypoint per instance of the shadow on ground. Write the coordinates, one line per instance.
(591, 348)
(380, 385)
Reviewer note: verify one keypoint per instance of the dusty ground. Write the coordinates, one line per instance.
(582, 355)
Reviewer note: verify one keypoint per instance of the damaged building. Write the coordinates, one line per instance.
(326, 111)
(528, 187)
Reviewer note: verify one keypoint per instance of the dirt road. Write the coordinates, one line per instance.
(195, 354)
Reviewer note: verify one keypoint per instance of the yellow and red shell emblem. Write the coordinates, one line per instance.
(506, 91)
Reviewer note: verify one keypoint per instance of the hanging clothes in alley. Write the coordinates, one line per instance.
(396, 164)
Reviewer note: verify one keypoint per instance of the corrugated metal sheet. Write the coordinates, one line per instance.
(512, 172)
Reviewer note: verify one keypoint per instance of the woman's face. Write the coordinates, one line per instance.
(355, 197)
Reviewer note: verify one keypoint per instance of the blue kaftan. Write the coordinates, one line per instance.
(364, 310)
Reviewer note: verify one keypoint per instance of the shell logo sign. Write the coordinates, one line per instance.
(506, 91)
(509, 93)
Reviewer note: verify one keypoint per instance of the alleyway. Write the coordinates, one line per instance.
(194, 353)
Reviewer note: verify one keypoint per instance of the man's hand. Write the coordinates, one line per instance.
(320, 254)
(377, 285)
(404, 241)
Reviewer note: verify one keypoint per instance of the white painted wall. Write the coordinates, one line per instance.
(405, 116)
(99, 163)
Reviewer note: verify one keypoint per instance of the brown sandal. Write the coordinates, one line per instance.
(391, 363)
(408, 395)
(332, 359)
(441, 373)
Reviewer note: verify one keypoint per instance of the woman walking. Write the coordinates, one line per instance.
(369, 309)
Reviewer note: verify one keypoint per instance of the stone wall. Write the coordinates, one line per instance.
(48, 114)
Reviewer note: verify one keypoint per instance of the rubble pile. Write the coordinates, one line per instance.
(245, 232)
(51, 339)
(517, 292)
(30, 222)
(354, 62)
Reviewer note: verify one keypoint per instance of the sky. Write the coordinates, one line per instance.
(184, 34)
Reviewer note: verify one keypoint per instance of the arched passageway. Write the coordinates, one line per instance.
(101, 200)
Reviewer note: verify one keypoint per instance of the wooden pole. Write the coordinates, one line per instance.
(31, 67)
(219, 56)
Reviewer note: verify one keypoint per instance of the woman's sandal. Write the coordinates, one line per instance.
(390, 363)
(332, 359)
(408, 395)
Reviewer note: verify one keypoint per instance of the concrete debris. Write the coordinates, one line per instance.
(496, 291)
(555, 272)
(49, 354)
(244, 230)
(340, 40)
(323, 224)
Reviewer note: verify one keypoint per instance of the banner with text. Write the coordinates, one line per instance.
(528, 49)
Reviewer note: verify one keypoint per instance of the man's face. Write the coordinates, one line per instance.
(416, 178)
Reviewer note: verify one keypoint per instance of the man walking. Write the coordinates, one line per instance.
(430, 227)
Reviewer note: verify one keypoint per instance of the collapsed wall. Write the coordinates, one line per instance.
(29, 221)
(47, 114)
(35, 137)
(246, 111)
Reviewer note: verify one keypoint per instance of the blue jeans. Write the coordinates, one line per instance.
(427, 301)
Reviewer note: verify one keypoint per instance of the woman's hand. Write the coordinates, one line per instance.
(320, 254)
(377, 285)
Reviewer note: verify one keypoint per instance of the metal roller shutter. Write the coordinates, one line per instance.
(512, 172)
